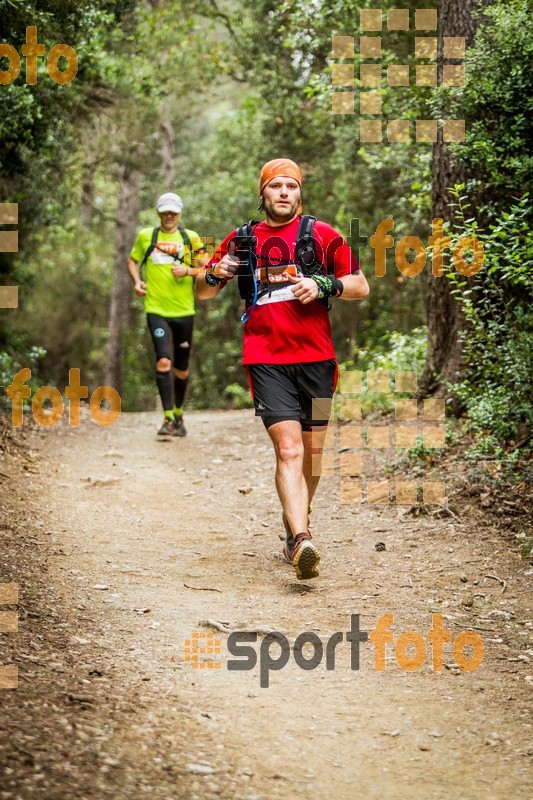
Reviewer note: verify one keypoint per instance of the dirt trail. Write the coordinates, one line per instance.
(165, 524)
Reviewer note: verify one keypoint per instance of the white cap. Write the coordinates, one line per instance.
(170, 202)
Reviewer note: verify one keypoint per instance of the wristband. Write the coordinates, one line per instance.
(212, 280)
(328, 286)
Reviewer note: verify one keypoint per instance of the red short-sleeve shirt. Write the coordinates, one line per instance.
(289, 332)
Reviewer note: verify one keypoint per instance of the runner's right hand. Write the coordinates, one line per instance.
(228, 264)
(140, 288)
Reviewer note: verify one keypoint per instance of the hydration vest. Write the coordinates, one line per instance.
(153, 244)
(304, 257)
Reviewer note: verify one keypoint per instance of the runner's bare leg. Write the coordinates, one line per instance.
(313, 442)
(291, 483)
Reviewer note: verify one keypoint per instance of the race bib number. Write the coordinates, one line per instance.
(277, 296)
(274, 284)
(164, 252)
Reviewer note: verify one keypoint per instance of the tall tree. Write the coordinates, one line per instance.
(445, 318)
(129, 206)
(166, 133)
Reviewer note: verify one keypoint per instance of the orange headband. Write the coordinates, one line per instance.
(277, 167)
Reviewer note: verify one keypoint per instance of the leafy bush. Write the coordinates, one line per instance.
(10, 364)
(397, 352)
(496, 102)
(496, 384)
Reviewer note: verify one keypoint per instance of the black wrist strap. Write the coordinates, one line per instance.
(212, 280)
(328, 286)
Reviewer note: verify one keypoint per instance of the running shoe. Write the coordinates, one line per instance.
(289, 540)
(305, 557)
(167, 428)
(179, 427)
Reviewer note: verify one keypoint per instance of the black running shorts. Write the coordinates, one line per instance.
(286, 391)
(180, 329)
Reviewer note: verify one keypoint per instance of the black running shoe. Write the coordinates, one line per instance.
(167, 428)
(305, 557)
(179, 427)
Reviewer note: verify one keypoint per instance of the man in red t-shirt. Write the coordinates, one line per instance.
(287, 350)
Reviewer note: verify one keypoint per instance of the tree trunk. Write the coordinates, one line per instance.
(87, 189)
(445, 318)
(129, 206)
(167, 153)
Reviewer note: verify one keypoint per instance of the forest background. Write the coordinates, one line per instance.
(194, 97)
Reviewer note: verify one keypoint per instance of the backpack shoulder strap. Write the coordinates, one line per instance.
(150, 249)
(245, 247)
(245, 233)
(305, 253)
(306, 227)
(245, 243)
(185, 236)
(305, 250)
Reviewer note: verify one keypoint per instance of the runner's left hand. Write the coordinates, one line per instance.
(179, 271)
(305, 289)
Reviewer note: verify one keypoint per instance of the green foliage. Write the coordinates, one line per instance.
(497, 102)
(219, 380)
(139, 392)
(395, 352)
(10, 364)
(495, 387)
(39, 123)
(238, 396)
(37, 118)
(240, 84)
(422, 453)
(65, 303)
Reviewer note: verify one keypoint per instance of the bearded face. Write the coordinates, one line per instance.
(281, 199)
